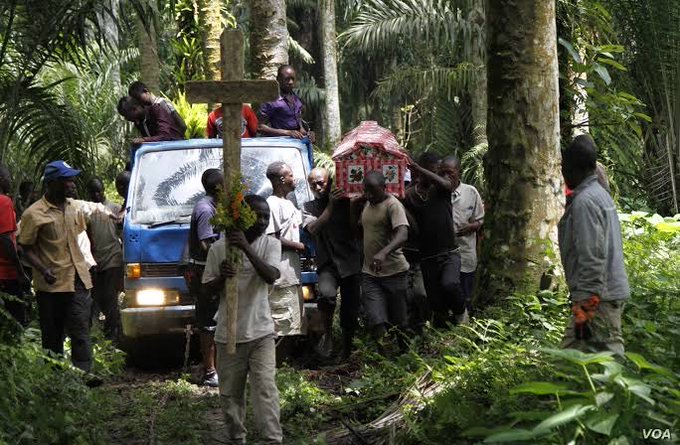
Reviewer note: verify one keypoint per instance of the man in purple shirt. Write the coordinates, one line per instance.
(201, 236)
(283, 116)
(155, 122)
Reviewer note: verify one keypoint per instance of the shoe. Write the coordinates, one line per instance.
(325, 346)
(211, 380)
(462, 319)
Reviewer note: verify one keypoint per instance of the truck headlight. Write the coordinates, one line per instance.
(156, 297)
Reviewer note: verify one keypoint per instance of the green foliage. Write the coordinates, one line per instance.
(44, 400)
(507, 383)
(195, 117)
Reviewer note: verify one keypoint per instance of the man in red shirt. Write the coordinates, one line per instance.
(13, 280)
(248, 123)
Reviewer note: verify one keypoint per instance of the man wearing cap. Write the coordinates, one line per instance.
(49, 237)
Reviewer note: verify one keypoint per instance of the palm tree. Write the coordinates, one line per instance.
(433, 49)
(332, 129)
(522, 163)
(35, 126)
(268, 37)
(210, 20)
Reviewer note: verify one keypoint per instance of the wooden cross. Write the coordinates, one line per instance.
(232, 91)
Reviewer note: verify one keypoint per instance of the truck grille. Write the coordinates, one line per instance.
(160, 270)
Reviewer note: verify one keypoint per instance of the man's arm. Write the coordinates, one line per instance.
(269, 131)
(317, 224)
(38, 265)
(265, 270)
(440, 182)
(590, 237)
(399, 238)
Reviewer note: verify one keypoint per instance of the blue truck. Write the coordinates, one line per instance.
(164, 187)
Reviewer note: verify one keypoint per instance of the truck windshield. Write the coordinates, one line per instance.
(168, 183)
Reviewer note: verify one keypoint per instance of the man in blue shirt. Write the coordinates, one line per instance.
(201, 236)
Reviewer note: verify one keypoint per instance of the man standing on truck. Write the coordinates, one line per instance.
(284, 223)
(201, 236)
(338, 262)
(49, 237)
(108, 254)
(283, 116)
(255, 357)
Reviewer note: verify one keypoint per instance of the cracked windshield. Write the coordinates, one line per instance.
(171, 183)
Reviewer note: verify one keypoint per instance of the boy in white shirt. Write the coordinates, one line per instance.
(255, 357)
(285, 298)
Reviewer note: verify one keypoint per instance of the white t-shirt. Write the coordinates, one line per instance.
(253, 316)
(285, 219)
(467, 208)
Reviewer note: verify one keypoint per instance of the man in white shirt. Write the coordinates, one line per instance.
(284, 224)
(255, 357)
(468, 217)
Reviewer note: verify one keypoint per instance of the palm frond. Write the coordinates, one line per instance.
(387, 24)
(296, 49)
(413, 81)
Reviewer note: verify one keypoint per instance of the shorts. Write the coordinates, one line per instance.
(206, 306)
(287, 309)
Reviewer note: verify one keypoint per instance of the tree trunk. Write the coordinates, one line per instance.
(210, 19)
(108, 22)
(479, 89)
(332, 130)
(149, 65)
(268, 37)
(525, 193)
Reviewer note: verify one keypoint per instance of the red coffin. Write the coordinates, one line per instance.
(365, 148)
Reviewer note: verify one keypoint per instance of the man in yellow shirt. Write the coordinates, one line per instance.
(49, 237)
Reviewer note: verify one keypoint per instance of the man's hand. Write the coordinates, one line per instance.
(295, 134)
(49, 276)
(336, 195)
(237, 239)
(377, 262)
(137, 141)
(227, 270)
(584, 313)
(467, 229)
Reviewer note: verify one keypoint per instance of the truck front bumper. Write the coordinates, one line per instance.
(148, 321)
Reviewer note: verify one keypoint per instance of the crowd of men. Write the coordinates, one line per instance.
(396, 264)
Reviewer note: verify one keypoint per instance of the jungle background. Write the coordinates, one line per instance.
(424, 69)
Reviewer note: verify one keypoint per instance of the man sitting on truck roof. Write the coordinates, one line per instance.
(248, 123)
(283, 116)
(154, 122)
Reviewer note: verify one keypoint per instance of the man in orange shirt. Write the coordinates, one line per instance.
(248, 123)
